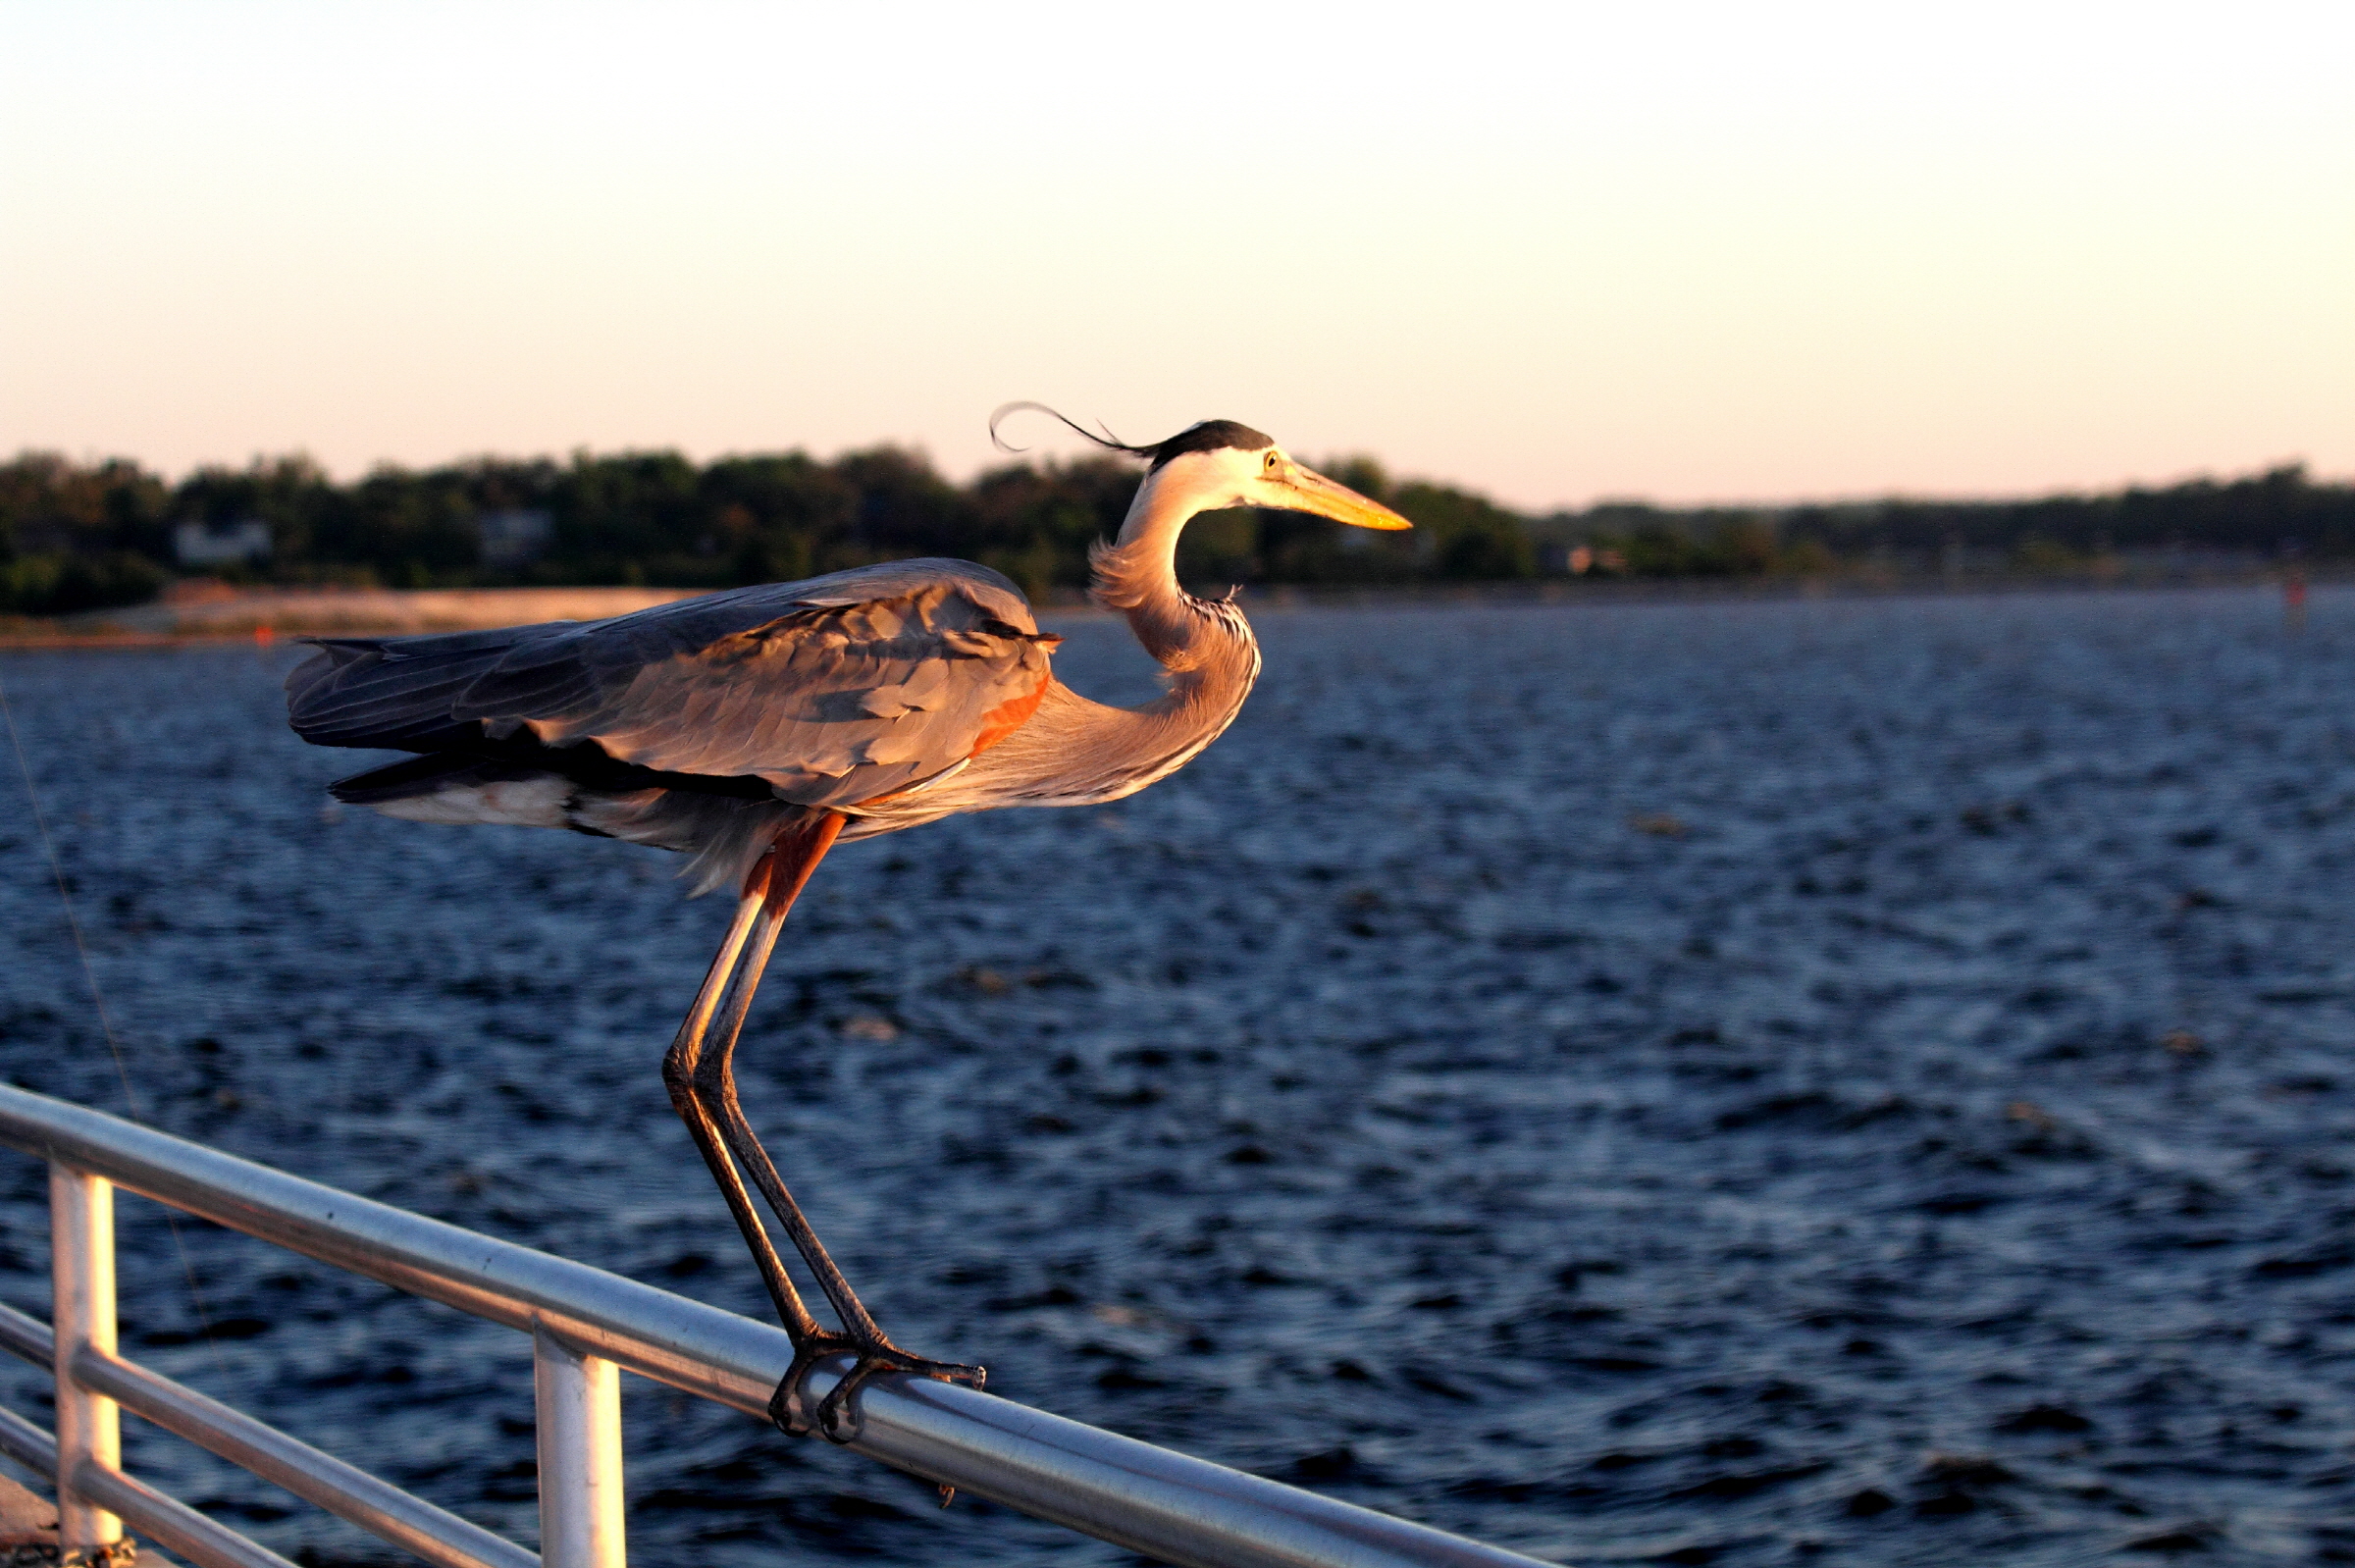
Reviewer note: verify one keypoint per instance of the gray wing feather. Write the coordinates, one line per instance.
(389, 691)
(834, 691)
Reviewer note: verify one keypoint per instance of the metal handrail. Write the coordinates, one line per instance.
(433, 1533)
(586, 1321)
(164, 1520)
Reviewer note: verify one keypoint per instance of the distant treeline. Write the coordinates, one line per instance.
(87, 535)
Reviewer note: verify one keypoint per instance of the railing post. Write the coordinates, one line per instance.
(90, 1429)
(578, 1400)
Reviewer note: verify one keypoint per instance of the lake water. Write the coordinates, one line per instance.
(1844, 1081)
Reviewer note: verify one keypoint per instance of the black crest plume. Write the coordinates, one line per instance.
(1209, 436)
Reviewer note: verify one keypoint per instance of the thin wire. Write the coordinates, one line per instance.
(106, 1025)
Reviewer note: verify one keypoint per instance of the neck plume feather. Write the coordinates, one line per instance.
(1138, 577)
(1204, 645)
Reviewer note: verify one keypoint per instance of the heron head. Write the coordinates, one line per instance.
(1226, 464)
(1219, 463)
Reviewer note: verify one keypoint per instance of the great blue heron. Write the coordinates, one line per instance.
(753, 728)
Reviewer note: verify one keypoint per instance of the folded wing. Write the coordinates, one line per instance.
(832, 691)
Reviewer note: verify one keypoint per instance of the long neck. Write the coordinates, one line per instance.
(1076, 752)
(1205, 645)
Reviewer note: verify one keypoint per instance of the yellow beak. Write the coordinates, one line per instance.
(1307, 490)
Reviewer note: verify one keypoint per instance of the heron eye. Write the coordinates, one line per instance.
(1270, 464)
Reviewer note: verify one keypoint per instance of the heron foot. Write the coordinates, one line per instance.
(833, 1418)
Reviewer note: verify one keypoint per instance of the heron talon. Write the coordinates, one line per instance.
(789, 1409)
(786, 1408)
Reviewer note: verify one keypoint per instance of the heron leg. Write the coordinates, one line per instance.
(679, 1068)
(710, 1081)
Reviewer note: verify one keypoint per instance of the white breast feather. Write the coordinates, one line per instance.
(507, 803)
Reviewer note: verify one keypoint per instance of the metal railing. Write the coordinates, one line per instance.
(586, 1326)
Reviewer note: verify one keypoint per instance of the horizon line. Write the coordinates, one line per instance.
(1594, 501)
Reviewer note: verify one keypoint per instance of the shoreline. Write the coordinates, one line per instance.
(265, 617)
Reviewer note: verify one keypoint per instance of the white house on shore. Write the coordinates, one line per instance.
(199, 543)
(514, 539)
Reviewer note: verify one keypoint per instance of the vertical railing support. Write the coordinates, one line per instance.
(89, 1428)
(579, 1405)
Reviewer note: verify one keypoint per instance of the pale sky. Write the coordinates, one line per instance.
(1557, 253)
